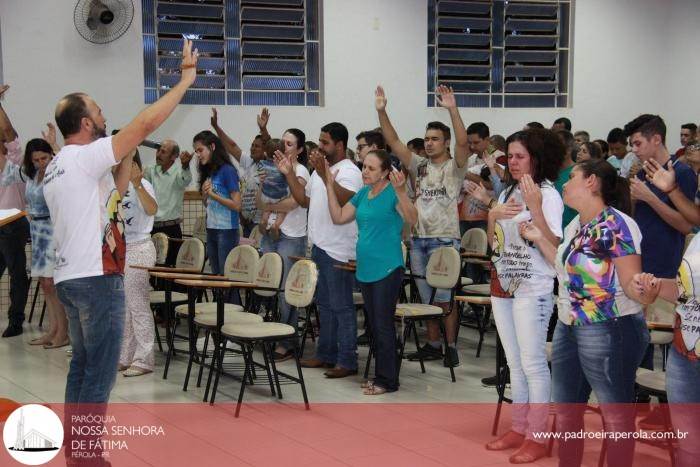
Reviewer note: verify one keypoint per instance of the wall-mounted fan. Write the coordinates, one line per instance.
(103, 21)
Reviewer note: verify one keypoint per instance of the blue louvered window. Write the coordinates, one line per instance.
(501, 53)
(252, 52)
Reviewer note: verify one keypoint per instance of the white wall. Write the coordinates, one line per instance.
(631, 56)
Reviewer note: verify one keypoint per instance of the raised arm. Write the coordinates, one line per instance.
(532, 196)
(339, 214)
(286, 167)
(406, 208)
(263, 120)
(50, 136)
(122, 173)
(445, 98)
(7, 131)
(147, 201)
(154, 115)
(665, 180)
(319, 162)
(641, 192)
(230, 145)
(399, 149)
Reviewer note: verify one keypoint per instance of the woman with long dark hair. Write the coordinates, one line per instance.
(601, 334)
(292, 235)
(37, 155)
(218, 181)
(521, 291)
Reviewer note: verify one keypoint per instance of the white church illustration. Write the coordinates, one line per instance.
(32, 440)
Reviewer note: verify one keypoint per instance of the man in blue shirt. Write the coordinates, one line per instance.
(663, 227)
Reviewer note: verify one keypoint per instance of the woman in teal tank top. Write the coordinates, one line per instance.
(380, 209)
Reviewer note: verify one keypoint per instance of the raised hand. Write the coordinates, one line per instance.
(506, 211)
(50, 134)
(640, 191)
(478, 192)
(4, 88)
(282, 162)
(185, 158)
(663, 179)
(532, 194)
(318, 162)
(189, 63)
(530, 232)
(398, 180)
(263, 118)
(490, 161)
(136, 174)
(445, 97)
(214, 120)
(380, 99)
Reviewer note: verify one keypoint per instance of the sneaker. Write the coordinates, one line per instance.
(491, 380)
(451, 358)
(427, 352)
(654, 421)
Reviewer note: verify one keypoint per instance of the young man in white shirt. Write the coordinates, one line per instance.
(438, 185)
(333, 245)
(84, 196)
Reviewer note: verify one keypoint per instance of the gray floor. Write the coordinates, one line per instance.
(32, 374)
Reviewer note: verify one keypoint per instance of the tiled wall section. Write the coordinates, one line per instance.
(192, 209)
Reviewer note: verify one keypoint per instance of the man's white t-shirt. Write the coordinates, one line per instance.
(294, 224)
(338, 241)
(138, 224)
(86, 211)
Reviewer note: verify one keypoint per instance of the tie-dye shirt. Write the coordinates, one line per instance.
(585, 265)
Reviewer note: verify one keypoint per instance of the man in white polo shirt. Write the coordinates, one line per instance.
(333, 245)
(84, 196)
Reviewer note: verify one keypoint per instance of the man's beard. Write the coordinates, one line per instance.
(98, 132)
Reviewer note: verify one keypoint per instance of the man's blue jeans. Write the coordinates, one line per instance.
(285, 247)
(337, 342)
(96, 313)
(602, 357)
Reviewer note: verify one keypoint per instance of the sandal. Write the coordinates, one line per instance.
(529, 452)
(121, 367)
(43, 340)
(373, 390)
(136, 371)
(510, 439)
(367, 384)
(57, 345)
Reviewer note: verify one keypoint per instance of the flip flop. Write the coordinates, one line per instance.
(40, 341)
(57, 345)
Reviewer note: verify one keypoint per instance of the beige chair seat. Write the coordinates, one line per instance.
(257, 331)
(660, 337)
(477, 289)
(157, 297)
(417, 309)
(466, 281)
(653, 380)
(474, 299)
(233, 317)
(207, 307)
(357, 298)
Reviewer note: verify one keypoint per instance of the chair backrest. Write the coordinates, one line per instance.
(160, 241)
(474, 241)
(443, 268)
(199, 229)
(255, 237)
(191, 254)
(269, 274)
(242, 264)
(661, 311)
(300, 287)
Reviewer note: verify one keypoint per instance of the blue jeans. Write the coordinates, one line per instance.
(522, 326)
(602, 357)
(380, 299)
(421, 249)
(96, 313)
(683, 387)
(220, 242)
(337, 342)
(286, 247)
